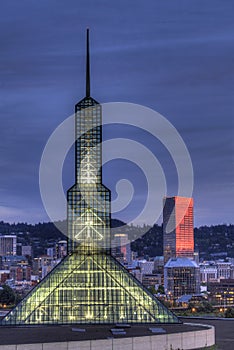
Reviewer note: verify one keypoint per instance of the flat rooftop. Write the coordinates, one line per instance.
(63, 333)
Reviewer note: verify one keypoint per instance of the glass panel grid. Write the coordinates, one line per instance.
(89, 285)
(89, 289)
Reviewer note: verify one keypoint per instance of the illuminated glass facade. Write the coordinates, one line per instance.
(89, 289)
(88, 199)
(181, 276)
(178, 231)
(89, 285)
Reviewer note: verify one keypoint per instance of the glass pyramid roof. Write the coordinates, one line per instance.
(85, 289)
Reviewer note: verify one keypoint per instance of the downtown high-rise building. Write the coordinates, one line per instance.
(121, 248)
(181, 277)
(178, 230)
(8, 245)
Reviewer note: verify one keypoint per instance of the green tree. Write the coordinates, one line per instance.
(191, 305)
(205, 306)
(166, 303)
(7, 295)
(152, 289)
(229, 313)
(161, 289)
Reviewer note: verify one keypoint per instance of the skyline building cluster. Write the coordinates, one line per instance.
(92, 283)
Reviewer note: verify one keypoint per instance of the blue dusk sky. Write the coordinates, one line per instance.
(176, 57)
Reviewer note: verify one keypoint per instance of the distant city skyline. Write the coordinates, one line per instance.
(171, 57)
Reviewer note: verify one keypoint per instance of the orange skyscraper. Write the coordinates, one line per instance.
(178, 232)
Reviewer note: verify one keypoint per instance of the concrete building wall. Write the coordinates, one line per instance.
(185, 341)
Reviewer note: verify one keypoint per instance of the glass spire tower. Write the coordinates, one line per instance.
(88, 199)
(89, 285)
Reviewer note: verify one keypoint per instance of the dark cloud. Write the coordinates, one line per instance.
(175, 57)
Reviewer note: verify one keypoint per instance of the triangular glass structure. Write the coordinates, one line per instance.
(89, 289)
(89, 285)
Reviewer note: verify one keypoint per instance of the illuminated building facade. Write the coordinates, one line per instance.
(181, 276)
(89, 285)
(222, 292)
(178, 231)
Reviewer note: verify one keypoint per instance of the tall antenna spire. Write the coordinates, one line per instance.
(87, 66)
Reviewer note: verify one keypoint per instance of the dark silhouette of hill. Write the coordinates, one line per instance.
(211, 241)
